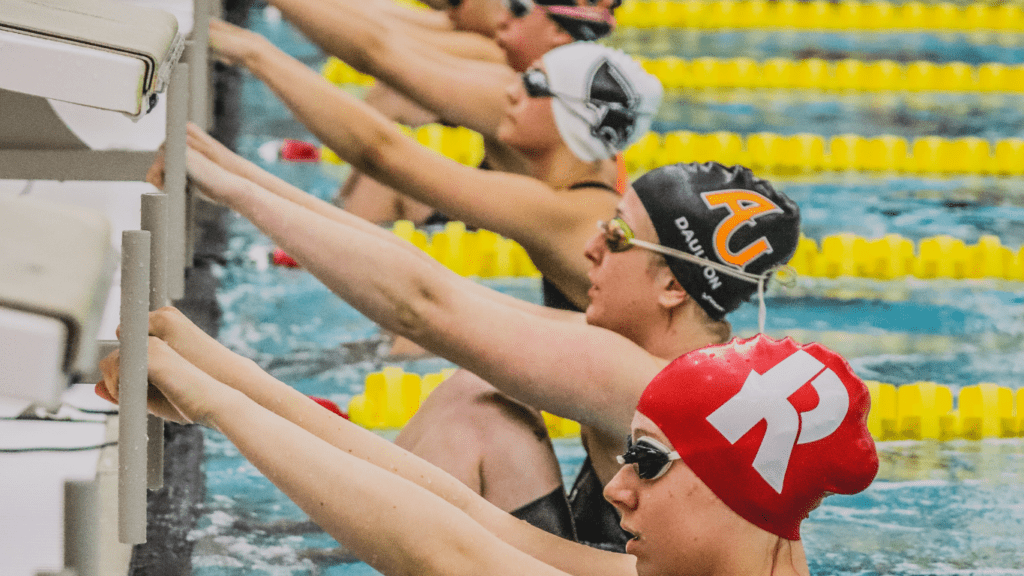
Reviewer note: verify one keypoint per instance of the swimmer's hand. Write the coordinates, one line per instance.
(155, 174)
(233, 45)
(178, 391)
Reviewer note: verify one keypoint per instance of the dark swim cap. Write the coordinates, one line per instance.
(722, 214)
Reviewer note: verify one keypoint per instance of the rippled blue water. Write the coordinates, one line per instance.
(936, 508)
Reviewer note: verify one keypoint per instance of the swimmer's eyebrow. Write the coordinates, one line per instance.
(618, 213)
(639, 432)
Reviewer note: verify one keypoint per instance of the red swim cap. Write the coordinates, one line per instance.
(770, 426)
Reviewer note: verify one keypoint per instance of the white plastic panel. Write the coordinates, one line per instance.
(71, 73)
(32, 486)
(31, 354)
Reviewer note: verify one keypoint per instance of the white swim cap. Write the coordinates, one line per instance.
(604, 100)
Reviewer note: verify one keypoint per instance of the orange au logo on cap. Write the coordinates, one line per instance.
(744, 207)
(766, 397)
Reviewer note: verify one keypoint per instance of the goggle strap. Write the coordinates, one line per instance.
(746, 276)
(759, 279)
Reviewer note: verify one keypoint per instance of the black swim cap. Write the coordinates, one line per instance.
(723, 214)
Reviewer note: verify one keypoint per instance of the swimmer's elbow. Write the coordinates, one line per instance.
(380, 155)
(457, 553)
(373, 52)
(418, 315)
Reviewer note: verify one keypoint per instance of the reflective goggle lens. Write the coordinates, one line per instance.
(650, 458)
(617, 235)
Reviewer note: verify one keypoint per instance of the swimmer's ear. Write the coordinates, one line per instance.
(672, 292)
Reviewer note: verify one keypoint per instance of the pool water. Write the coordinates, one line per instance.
(936, 508)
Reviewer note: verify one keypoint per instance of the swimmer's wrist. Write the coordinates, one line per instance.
(256, 54)
(224, 403)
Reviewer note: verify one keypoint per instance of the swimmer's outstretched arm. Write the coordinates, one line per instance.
(553, 227)
(589, 374)
(396, 525)
(200, 142)
(431, 28)
(235, 171)
(462, 91)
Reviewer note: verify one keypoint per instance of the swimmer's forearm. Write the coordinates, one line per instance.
(348, 29)
(287, 403)
(346, 124)
(395, 526)
(389, 284)
(375, 146)
(425, 65)
(234, 192)
(294, 194)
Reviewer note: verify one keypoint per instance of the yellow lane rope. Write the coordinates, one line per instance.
(843, 16)
(918, 411)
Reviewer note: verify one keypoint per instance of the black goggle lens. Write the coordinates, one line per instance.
(518, 8)
(649, 461)
(536, 84)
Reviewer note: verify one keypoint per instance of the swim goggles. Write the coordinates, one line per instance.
(536, 83)
(619, 237)
(519, 8)
(650, 458)
(522, 8)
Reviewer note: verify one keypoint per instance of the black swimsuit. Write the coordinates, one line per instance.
(553, 297)
(585, 516)
(596, 520)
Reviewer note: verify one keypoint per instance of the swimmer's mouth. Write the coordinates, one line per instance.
(632, 536)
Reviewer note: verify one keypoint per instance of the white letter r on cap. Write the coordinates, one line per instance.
(765, 397)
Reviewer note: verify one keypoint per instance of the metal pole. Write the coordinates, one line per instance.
(174, 181)
(154, 220)
(133, 385)
(81, 542)
(198, 55)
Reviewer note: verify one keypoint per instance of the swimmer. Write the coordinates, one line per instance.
(457, 77)
(578, 106)
(685, 246)
(702, 487)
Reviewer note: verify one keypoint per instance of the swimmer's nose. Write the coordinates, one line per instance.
(595, 249)
(515, 91)
(619, 491)
(505, 19)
